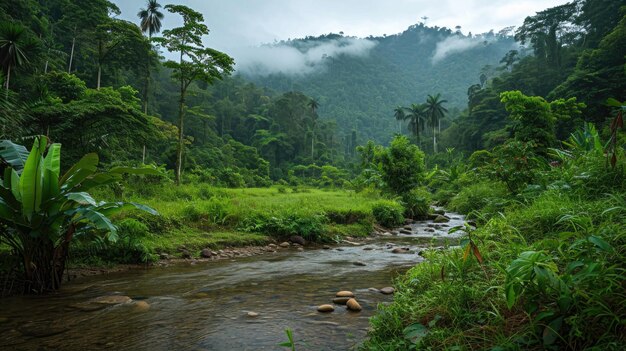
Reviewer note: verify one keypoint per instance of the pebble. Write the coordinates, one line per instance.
(387, 290)
(345, 293)
(341, 300)
(252, 314)
(325, 308)
(353, 305)
(141, 306)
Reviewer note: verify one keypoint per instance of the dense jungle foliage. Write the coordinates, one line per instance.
(535, 158)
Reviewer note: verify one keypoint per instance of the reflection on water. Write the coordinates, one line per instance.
(205, 306)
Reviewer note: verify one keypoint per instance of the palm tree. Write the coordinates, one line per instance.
(400, 115)
(314, 105)
(151, 23)
(435, 112)
(416, 116)
(14, 48)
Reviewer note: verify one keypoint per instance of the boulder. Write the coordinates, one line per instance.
(325, 308)
(400, 250)
(353, 305)
(359, 263)
(430, 230)
(441, 219)
(341, 300)
(404, 231)
(368, 248)
(141, 306)
(297, 239)
(387, 290)
(184, 253)
(206, 253)
(252, 314)
(300, 249)
(345, 293)
(284, 244)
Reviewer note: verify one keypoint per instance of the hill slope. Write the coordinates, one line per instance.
(360, 84)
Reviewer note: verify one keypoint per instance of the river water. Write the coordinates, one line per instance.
(205, 306)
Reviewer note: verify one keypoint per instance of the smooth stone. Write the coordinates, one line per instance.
(206, 253)
(326, 247)
(111, 299)
(404, 231)
(373, 289)
(141, 306)
(359, 263)
(430, 230)
(284, 244)
(253, 314)
(300, 249)
(325, 308)
(400, 250)
(368, 248)
(345, 293)
(353, 305)
(341, 300)
(272, 245)
(387, 290)
(339, 249)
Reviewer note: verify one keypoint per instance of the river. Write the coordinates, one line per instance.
(206, 306)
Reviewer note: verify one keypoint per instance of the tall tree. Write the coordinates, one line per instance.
(14, 48)
(416, 116)
(399, 113)
(435, 112)
(151, 23)
(196, 63)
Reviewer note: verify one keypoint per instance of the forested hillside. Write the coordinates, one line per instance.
(360, 90)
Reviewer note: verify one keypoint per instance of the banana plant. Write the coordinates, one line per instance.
(41, 211)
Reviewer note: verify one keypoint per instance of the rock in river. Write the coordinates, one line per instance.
(341, 300)
(252, 314)
(387, 290)
(325, 308)
(297, 239)
(141, 306)
(441, 219)
(401, 250)
(404, 231)
(206, 253)
(284, 244)
(345, 293)
(353, 305)
(359, 263)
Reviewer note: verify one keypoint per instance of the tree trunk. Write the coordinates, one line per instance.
(69, 67)
(179, 151)
(434, 139)
(99, 76)
(6, 96)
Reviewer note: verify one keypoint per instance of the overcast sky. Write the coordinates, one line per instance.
(236, 24)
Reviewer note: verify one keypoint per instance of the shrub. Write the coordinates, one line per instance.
(416, 203)
(402, 165)
(487, 196)
(283, 225)
(388, 213)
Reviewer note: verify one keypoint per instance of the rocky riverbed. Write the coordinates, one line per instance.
(242, 301)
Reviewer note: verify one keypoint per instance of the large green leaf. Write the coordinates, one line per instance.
(81, 198)
(6, 212)
(14, 182)
(53, 159)
(98, 220)
(31, 180)
(80, 171)
(13, 154)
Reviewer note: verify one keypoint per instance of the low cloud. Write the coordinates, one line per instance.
(306, 59)
(456, 44)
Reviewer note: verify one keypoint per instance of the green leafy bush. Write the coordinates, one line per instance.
(284, 225)
(388, 213)
(416, 203)
(487, 196)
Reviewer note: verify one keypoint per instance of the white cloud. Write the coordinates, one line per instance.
(455, 44)
(286, 59)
